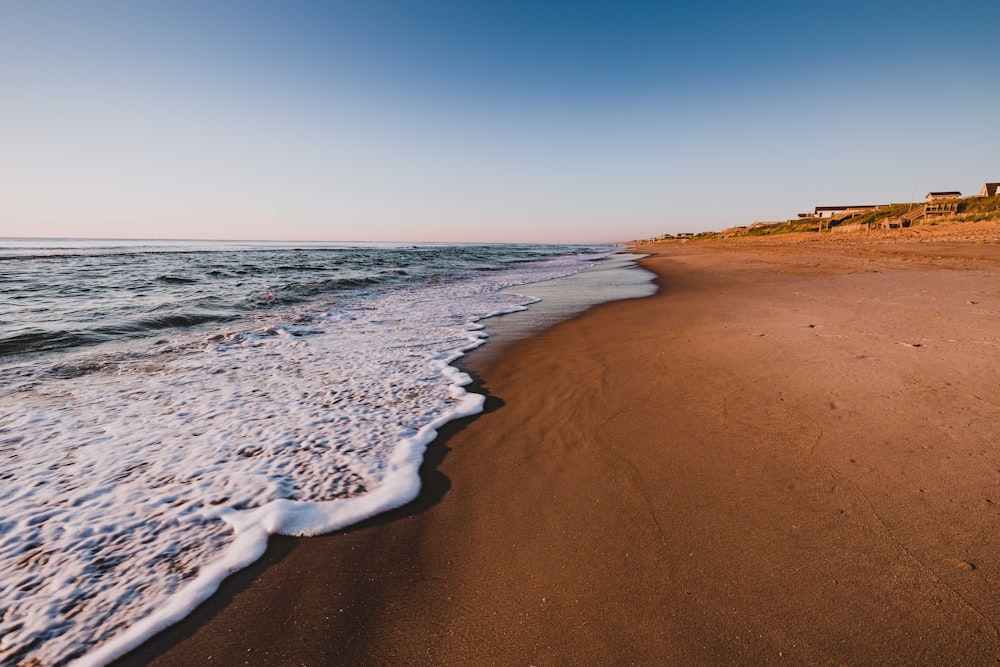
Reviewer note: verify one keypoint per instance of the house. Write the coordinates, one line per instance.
(942, 204)
(989, 190)
(941, 196)
(835, 211)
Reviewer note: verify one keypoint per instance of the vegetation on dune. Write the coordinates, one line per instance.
(877, 216)
(770, 229)
(977, 209)
(971, 209)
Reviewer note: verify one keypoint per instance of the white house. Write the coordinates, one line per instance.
(834, 211)
(940, 196)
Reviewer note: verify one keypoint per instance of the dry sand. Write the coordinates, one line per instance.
(789, 455)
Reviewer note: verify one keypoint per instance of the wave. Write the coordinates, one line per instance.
(291, 293)
(38, 340)
(176, 280)
(35, 341)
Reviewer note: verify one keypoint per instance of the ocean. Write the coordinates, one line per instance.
(165, 406)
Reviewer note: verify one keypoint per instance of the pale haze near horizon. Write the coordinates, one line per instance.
(482, 122)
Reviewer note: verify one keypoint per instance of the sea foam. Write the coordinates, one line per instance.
(133, 487)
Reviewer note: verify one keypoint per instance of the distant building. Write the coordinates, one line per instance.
(941, 196)
(989, 190)
(835, 211)
(942, 204)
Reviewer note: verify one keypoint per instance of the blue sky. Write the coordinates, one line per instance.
(501, 121)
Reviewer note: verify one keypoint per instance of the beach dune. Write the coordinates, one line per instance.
(787, 455)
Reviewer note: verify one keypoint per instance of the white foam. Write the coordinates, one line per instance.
(133, 491)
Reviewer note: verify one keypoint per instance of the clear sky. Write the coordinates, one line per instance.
(512, 120)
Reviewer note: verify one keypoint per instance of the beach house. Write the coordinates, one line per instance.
(989, 190)
(943, 196)
(942, 204)
(837, 211)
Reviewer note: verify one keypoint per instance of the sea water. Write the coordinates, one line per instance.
(166, 406)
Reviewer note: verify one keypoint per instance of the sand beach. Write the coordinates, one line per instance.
(787, 455)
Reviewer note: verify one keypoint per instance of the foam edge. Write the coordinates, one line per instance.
(254, 527)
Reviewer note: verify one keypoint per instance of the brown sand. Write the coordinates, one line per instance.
(788, 455)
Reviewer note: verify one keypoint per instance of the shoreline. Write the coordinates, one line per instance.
(614, 277)
(746, 467)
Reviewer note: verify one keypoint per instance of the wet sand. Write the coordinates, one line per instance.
(788, 455)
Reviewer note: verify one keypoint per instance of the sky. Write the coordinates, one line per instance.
(469, 121)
